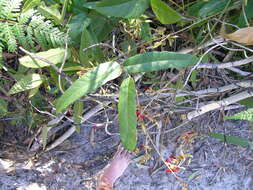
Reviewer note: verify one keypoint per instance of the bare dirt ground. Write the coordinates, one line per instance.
(74, 164)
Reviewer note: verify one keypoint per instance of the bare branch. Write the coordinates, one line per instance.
(219, 104)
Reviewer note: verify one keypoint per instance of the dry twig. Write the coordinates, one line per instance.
(219, 104)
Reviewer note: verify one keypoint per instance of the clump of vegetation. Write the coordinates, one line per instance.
(27, 28)
(130, 53)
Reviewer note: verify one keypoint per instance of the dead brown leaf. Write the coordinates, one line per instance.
(243, 36)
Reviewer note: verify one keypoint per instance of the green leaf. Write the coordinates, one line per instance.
(76, 26)
(26, 83)
(212, 7)
(129, 46)
(89, 83)
(78, 111)
(122, 8)
(248, 13)
(29, 4)
(164, 13)
(86, 57)
(51, 12)
(127, 114)
(248, 102)
(33, 92)
(154, 61)
(232, 140)
(77, 6)
(86, 41)
(101, 26)
(145, 33)
(3, 107)
(53, 55)
(194, 9)
(243, 115)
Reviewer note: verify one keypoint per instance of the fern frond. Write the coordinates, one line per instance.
(10, 38)
(25, 17)
(10, 9)
(27, 28)
(19, 33)
(46, 33)
(29, 37)
(1, 54)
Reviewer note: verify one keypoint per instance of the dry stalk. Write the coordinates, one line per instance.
(219, 104)
(225, 65)
(72, 129)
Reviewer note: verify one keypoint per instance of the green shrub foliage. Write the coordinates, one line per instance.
(27, 29)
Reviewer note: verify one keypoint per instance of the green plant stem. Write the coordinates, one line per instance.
(64, 8)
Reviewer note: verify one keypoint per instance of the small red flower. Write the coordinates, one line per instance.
(172, 170)
(146, 88)
(140, 115)
(173, 164)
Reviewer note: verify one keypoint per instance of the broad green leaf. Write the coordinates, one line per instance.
(53, 55)
(77, 6)
(127, 114)
(33, 91)
(86, 41)
(88, 83)
(212, 7)
(243, 115)
(248, 102)
(194, 9)
(101, 26)
(78, 111)
(164, 13)
(232, 140)
(26, 83)
(154, 61)
(145, 33)
(29, 4)
(3, 107)
(76, 25)
(88, 56)
(248, 7)
(51, 12)
(122, 8)
(129, 46)
(1, 66)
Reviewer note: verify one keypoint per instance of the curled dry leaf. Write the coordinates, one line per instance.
(243, 36)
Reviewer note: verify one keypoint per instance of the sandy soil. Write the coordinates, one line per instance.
(74, 164)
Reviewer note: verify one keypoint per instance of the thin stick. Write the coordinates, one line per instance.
(219, 104)
(121, 54)
(208, 91)
(199, 62)
(240, 72)
(224, 65)
(63, 63)
(72, 129)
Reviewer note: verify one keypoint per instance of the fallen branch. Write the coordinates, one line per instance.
(224, 65)
(147, 97)
(240, 72)
(219, 104)
(72, 129)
